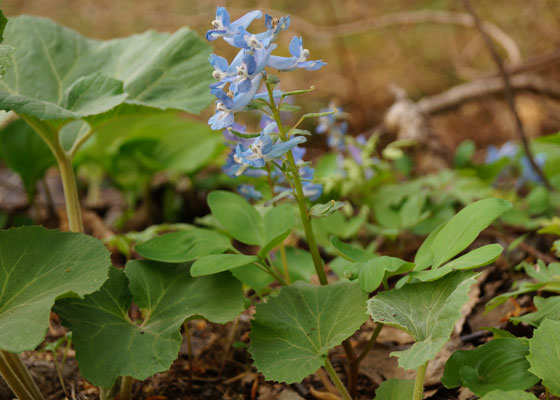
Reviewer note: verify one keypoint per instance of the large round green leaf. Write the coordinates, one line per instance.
(293, 331)
(57, 74)
(108, 344)
(428, 311)
(39, 265)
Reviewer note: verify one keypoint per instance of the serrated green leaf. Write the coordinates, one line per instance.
(215, 263)
(240, 219)
(548, 308)
(167, 295)
(508, 395)
(18, 145)
(54, 66)
(544, 354)
(426, 310)
(293, 332)
(498, 364)
(38, 266)
(464, 227)
(183, 246)
(395, 389)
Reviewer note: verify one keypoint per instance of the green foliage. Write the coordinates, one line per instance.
(373, 272)
(293, 332)
(546, 309)
(167, 296)
(39, 266)
(427, 311)
(395, 389)
(214, 263)
(183, 246)
(508, 395)
(544, 354)
(499, 364)
(18, 145)
(57, 74)
(349, 252)
(244, 223)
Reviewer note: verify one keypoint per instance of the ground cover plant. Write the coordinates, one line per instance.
(305, 265)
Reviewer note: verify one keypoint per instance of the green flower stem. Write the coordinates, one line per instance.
(64, 160)
(419, 382)
(126, 388)
(17, 377)
(370, 343)
(546, 393)
(336, 380)
(305, 218)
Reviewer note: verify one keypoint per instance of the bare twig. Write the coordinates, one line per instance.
(509, 94)
(465, 92)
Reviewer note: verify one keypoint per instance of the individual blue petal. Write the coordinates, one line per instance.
(298, 153)
(296, 46)
(218, 62)
(214, 34)
(241, 100)
(249, 192)
(264, 142)
(271, 127)
(283, 63)
(248, 157)
(311, 65)
(241, 85)
(246, 20)
(221, 120)
(281, 148)
(276, 94)
(223, 97)
(222, 15)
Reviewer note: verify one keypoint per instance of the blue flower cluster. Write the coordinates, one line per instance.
(511, 152)
(238, 83)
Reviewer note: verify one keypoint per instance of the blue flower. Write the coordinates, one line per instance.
(299, 58)
(508, 150)
(528, 173)
(263, 149)
(310, 190)
(230, 103)
(223, 27)
(249, 192)
(223, 70)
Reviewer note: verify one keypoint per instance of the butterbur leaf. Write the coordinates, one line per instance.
(395, 389)
(427, 311)
(18, 145)
(293, 332)
(544, 354)
(212, 264)
(464, 227)
(508, 395)
(183, 246)
(548, 308)
(39, 265)
(57, 74)
(240, 219)
(167, 295)
(498, 364)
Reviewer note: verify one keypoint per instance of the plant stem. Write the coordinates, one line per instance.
(419, 382)
(189, 349)
(546, 393)
(305, 218)
(17, 377)
(126, 388)
(64, 160)
(336, 380)
(370, 343)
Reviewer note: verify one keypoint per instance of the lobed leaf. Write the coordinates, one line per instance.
(544, 354)
(109, 344)
(293, 332)
(427, 311)
(38, 266)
